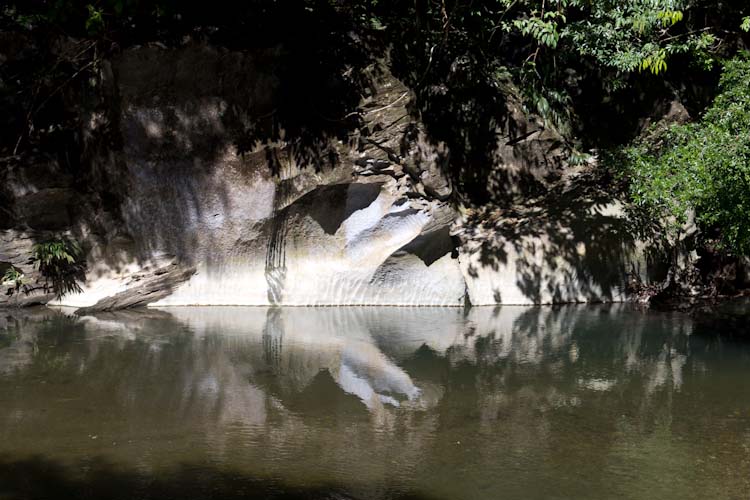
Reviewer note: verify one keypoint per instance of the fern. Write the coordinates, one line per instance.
(59, 261)
(14, 278)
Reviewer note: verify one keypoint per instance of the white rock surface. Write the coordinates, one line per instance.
(565, 250)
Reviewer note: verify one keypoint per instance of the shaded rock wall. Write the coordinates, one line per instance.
(198, 184)
(573, 245)
(267, 226)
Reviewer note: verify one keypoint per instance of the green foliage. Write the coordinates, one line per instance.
(637, 35)
(551, 104)
(553, 49)
(59, 261)
(703, 166)
(21, 19)
(577, 158)
(12, 275)
(576, 61)
(13, 278)
(543, 29)
(76, 15)
(95, 21)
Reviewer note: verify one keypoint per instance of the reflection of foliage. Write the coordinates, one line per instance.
(703, 166)
(60, 261)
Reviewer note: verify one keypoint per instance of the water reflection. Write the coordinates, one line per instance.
(570, 402)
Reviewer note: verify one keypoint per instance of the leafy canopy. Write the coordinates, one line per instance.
(703, 166)
(636, 35)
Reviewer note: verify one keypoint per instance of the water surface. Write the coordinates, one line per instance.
(375, 403)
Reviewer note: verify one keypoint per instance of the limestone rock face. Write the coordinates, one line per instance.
(42, 194)
(144, 288)
(264, 222)
(529, 159)
(347, 243)
(206, 178)
(569, 246)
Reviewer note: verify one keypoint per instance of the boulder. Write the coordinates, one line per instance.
(143, 288)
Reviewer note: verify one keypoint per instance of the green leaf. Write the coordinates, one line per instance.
(95, 21)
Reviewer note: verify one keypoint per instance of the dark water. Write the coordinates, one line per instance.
(572, 402)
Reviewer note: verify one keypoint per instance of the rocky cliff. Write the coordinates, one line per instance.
(195, 182)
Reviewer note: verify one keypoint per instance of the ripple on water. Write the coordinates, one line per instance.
(602, 402)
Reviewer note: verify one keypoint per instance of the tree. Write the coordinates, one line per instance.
(703, 166)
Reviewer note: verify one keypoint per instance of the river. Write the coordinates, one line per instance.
(571, 402)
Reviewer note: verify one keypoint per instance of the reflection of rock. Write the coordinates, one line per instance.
(302, 342)
(18, 337)
(382, 356)
(509, 391)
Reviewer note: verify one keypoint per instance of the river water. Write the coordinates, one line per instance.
(574, 402)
